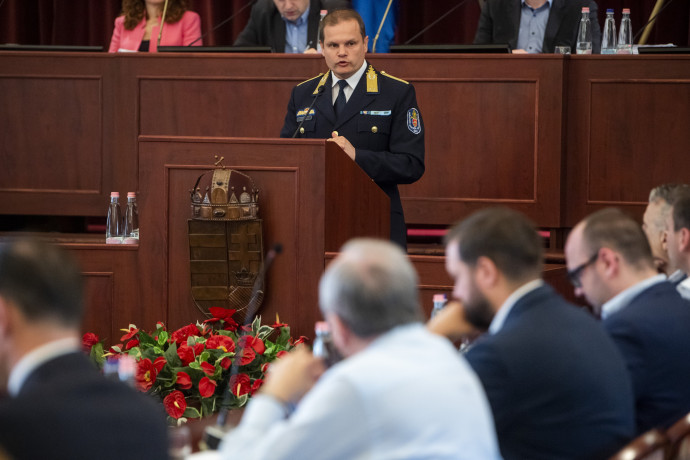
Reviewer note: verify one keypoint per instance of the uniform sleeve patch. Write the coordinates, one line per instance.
(413, 122)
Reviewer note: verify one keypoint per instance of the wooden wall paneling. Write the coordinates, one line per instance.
(493, 135)
(627, 131)
(56, 118)
(289, 195)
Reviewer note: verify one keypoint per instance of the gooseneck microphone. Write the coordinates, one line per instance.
(319, 90)
(214, 434)
(160, 32)
(458, 5)
(232, 16)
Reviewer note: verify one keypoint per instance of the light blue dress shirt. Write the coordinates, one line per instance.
(532, 27)
(623, 298)
(296, 34)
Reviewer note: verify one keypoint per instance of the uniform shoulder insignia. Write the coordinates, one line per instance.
(394, 78)
(312, 78)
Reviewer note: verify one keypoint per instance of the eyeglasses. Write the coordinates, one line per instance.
(575, 274)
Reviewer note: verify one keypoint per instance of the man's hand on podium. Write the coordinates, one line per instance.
(343, 143)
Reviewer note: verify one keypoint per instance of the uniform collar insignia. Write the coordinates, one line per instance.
(321, 83)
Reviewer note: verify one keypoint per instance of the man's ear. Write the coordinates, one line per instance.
(663, 238)
(5, 317)
(342, 336)
(486, 273)
(610, 261)
(685, 239)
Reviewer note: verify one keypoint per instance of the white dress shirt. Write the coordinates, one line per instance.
(623, 298)
(407, 395)
(351, 83)
(36, 358)
(519, 293)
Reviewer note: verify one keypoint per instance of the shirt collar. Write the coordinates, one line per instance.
(676, 276)
(37, 357)
(353, 80)
(623, 298)
(550, 2)
(502, 313)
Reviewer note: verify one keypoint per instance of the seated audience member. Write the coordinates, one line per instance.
(59, 405)
(557, 386)
(678, 239)
(535, 26)
(139, 26)
(654, 226)
(287, 26)
(610, 263)
(400, 392)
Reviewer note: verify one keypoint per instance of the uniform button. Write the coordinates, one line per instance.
(301, 130)
(374, 129)
(335, 133)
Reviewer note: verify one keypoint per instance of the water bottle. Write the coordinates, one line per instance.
(323, 344)
(323, 14)
(439, 303)
(584, 34)
(113, 229)
(608, 38)
(127, 370)
(625, 34)
(131, 232)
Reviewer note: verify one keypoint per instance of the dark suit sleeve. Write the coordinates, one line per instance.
(403, 162)
(290, 124)
(629, 342)
(484, 35)
(492, 372)
(596, 30)
(251, 35)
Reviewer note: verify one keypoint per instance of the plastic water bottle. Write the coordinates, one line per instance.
(131, 231)
(625, 34)
(113, 229)
(323, 14)
(608, 38)
(584, 34)
(439, 303)
(323, 344)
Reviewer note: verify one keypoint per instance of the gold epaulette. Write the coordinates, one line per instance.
(312, 78)
(394, 78)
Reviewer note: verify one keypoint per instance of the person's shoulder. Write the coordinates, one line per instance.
(190, 15)
(311, 79)
(120, 21)
(393, 79)
(311, 85)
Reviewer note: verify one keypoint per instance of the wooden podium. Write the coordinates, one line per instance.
(312, 199)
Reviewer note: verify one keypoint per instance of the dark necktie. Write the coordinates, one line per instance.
(340, 101)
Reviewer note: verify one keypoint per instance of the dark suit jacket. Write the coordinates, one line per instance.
(67, 410)
(499, 23)
(653, 333)
(390, 148)
(557, 385)
(267, 28)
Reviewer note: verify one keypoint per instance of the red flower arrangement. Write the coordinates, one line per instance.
(189, 369)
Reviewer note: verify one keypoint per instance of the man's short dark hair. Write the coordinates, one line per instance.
(680, 200)
(338, 16)
(505, 236)
(612, 228)
(42, 280)
(665, 192)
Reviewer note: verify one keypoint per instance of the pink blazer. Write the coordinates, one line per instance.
(180, 33)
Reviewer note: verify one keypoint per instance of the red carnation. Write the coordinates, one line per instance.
(221, 342)
(131, 344)
(225, 363)
(89, 339)
(186, 354)
(181, 335)
(183, 380)
(146, 374)
(206, 387)
(208, 368)
(175, 404)
(159, 364)
(239, 384)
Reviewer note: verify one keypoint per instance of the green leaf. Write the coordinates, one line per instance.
(97, 354)
(171, 355)
(158, 350)
(162, 338)
(195, 365)
(191, 412)
(205, 355)
(284, 336)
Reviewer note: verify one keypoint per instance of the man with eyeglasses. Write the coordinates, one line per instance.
(556, 383)
(610, 263)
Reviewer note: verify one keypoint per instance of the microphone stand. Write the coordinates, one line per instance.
(232, 16)
(160, 32)
(318, 93)
(435, 22)
(385, 15)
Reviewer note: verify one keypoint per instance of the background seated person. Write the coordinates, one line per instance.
(139, 26)
(535, 26)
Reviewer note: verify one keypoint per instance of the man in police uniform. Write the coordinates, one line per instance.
(374, 118)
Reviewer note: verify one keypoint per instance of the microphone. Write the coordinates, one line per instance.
(232, 16)
(214, 434)
(319, 90)
(385, 15)
(436, 21)
(160, 32)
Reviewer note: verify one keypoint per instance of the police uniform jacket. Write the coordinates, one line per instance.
(381, 120)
